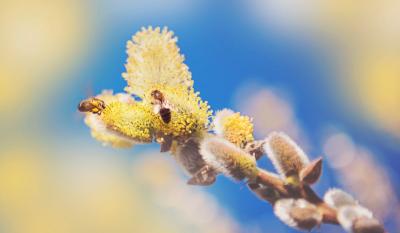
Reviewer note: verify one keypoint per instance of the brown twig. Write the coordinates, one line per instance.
(264, 178)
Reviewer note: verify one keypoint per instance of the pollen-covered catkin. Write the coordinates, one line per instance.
(228, 159)
(99, 130)
(234, 127)
(155, 63)
(154, 60)
(135, 121)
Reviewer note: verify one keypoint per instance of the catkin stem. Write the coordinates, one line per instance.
(329, 214)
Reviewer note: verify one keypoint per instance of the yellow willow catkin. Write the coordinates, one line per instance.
(229, 159)
(135, 121)
(234, 127)
(189, 114)
(154, 60)
(99, 130)
(155, 63)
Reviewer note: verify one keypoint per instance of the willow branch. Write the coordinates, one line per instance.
(304, 191)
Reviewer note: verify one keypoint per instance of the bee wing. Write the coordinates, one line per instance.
(156, 108)
(204, 177)
(167, 104)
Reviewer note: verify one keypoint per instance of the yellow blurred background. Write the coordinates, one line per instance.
(40, 42)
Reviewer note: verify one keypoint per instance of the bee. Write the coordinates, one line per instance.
(161, 106)
(188, 156)
(204, 176)
(93, 105)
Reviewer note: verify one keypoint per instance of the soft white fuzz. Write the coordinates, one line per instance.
(284, 153)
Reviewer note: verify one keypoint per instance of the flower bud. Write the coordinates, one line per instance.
(298, 213)
(312, 172)
(367, 225)
(348, 215)
(337, 198)
(285, 154)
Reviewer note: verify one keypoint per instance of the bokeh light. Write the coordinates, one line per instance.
(41, 40)
(270, 110)
(374, 88)
(360, 173)
(90, 190)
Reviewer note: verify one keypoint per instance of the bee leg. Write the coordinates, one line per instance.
(204, 177)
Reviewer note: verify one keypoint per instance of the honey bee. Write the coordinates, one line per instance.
(161, 106)
(93, 105)
(188, 156)
(203, 177)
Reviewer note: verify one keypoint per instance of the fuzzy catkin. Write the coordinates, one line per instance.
(285, 154)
